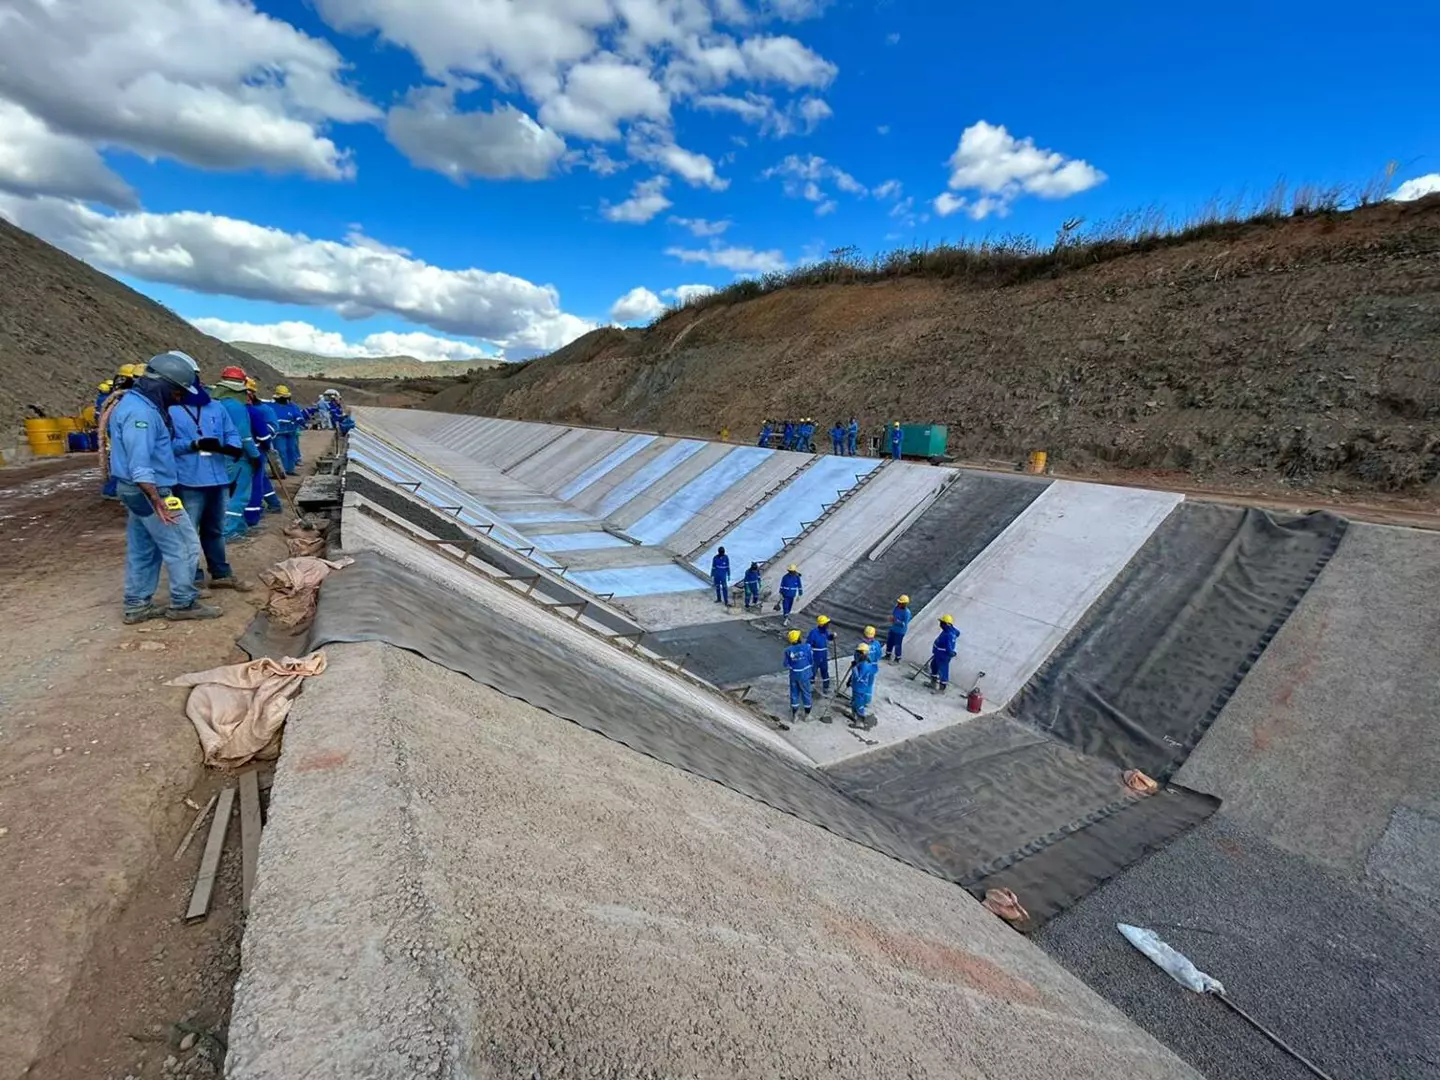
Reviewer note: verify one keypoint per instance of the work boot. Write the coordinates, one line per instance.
(143, 614)
(231, 582)
(794, 715)
(196, 610)
(944, 687)
(807, 714)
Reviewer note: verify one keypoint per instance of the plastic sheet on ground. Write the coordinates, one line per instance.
(238, 710)
(724, 653)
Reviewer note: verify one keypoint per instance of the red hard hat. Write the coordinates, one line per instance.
(236, 373)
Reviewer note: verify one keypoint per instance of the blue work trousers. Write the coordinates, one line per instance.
(150, 544)
(940, 667)
(860, 696)
(235, 517)
(895, 640)
(288, 445)
(821, 668)
(837, 446)
(787, 600)
(800, 688)
(895, 451)
(850, 440)
(206, 507)
(752, 594)
(722, 590)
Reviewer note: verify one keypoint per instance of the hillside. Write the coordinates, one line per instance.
(1303, 351)
(295, 363)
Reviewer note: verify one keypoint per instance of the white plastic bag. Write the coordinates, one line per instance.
(1176, 965)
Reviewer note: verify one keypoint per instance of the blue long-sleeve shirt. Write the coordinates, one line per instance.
(720, 568)
(194, 467)
(239, 414)
(263, 424)
(854, 429)
(900, 619)
(819, 641)
(288, 416)
(141, 450)
(790, 584)
(862, 673)
(896, 438)
(753, 576)
(798, 659)
(945, 641)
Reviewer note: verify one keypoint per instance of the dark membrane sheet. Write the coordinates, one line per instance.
(927, 556)
(724, 653)
(1142, 677)
(968, 805)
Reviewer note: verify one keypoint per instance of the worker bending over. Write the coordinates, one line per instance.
(897, 438)
(819, 641)
(791, 587)
(942, 651)
(801, 666)
(752, 586)
(862, 685)
(899, 623)
(720, 577)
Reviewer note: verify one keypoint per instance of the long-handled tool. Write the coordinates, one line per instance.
(277, 474)
(904, 708)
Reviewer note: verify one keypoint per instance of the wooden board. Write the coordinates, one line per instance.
(249, 832)
(210, 861)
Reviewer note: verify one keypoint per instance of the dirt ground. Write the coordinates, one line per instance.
(100, 976)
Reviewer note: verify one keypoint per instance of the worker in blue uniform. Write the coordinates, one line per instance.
(897, 438)
(720, 577)
(787, 441)
(801, 665)
(791, 588)
(819, 640)
(942, 651)
(862, 685)
(230, 392)
(807, 435)
(752, 586)
(766, 430)
(263, 498)
(852, 436)
(206, 441)
(899, 623)
(837, 438)
(158, 531)
(288, 418)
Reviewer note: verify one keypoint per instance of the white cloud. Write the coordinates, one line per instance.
(807, 176)
(651, 143)
(500, 145)
(683, 294)
(700, 226)
(883, 129)
(637, 306)
(785, 60)
(356, 277)
(829, 206)
(1002, 168)
(212, 83)
(890, 189)
(1417, 188)
(305, 337)
(601, 92)
(796, 117)
(37, 161)
(892, 39)
(740, 260)
(647, 199)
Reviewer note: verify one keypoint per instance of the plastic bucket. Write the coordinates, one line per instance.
(1037, 462)
(46, 437)
(76, 441)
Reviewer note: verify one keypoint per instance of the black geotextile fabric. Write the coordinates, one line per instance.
(1154, 660)
(927, 556)
(724, 653)
(972, 804)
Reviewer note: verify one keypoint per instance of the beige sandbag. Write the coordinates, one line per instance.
(238, 710)
(293, 584)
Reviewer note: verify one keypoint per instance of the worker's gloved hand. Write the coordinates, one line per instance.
(208, 445)
(232, 452)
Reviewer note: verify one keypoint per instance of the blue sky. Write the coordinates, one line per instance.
(455, 178)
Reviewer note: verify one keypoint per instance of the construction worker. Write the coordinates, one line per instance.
(837, 438)
(791, 588)
(942, 651)
(765, 432)
(142, 459)
(788, 440)
(896, 439)
(263, 498)
(862, 685)
(752, 586)
(807, 435)
(801, 666)
(720, 577)
(124, 377)
(852, 436)
(819, 641)
(206, 441)
(230, 392)
(288, 417)
(867, 638)
(899, 623)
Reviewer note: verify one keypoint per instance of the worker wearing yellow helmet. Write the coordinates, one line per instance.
(791, 589)
(897, 439)
(863, 668)
(800, 663)
(289, 418)
(942, 651)
(819, 641)
(899, 623)
(124, 377)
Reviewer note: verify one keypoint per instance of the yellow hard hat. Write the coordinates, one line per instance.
(822, 620)
(863, 648)
(793, 636)
(794, 569)
(947, 620)
(251, 384)
(126, 371)
(869, 631)
(140, 370)
(904, 599)
(282, 390)
(106, 386)
(897, 423)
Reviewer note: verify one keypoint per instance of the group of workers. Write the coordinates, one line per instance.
(188, 462)
(844, 437)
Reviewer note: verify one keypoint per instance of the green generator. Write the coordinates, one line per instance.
(923, 440)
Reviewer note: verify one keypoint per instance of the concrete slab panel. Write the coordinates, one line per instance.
(738, 501)
(579, 541)
(636, 580)
(680, 509)
(667, 484)
(523, 445)
(763, 533)
(534, 469)
(651, 466)
(572, 487)
(556, 513)
(1016, 602)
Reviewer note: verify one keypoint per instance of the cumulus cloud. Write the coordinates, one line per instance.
(35, 160)
(647, 199)
(700, 226)
(1002, 168)
(501, 145)
(653, 144)
(356, 277)
(637, 306)
(809, 177)
(601, 92)
(305, 337)
(785, 60)
(1418, 188)
(740, 260)
(212, 83)
(683, 294)
(794, 118)
(890, 189)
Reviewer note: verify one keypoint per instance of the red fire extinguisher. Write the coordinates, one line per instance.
(976, 700)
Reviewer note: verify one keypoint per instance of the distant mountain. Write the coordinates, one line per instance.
(297, 364)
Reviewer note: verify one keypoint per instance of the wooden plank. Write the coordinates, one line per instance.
(210, 861)
(249, 833)
(195, 827)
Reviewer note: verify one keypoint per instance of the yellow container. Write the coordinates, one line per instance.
(69, 423)
(87, 417)
(46, 437)
(1037, 461)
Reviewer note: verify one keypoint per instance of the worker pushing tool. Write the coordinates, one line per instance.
(899, 623)
(801, 665)
(720, 577)
(752, 583)
(862, 685)
(819, 641)
(791, 588)
(897, 439)
(942, 651)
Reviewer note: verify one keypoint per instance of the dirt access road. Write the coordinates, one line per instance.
(96, 761)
